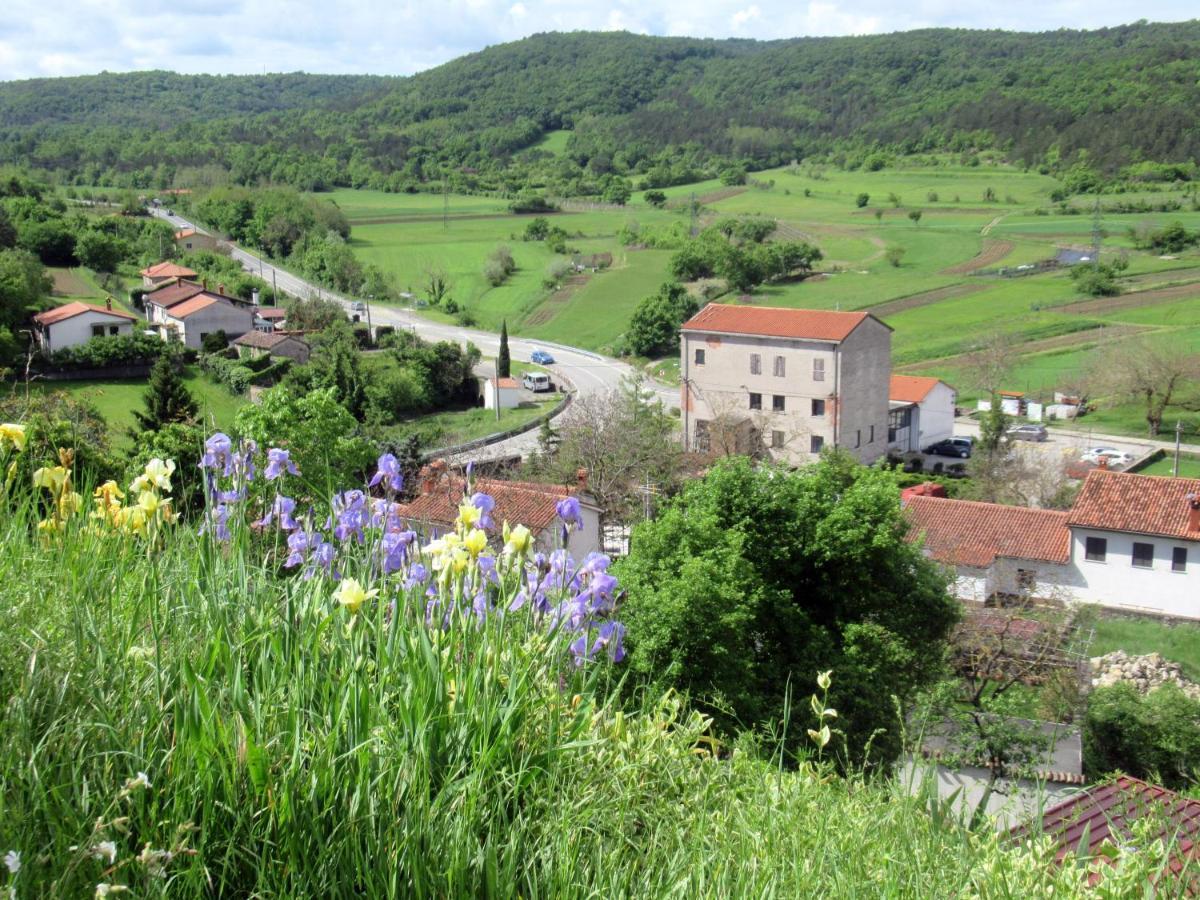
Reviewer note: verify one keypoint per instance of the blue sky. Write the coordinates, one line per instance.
(398, 37)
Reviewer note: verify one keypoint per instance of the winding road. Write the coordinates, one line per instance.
(589, 373)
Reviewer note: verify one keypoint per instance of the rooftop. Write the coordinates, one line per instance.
(168, 296)
(508, 383)
(970, 533)
(1141, 504)
(71, 310)
(184, 233)
(263, 340)
(168, 270)
(194, 305)
(527, 503)
(770, 321)
(270, 312)
(911, 388)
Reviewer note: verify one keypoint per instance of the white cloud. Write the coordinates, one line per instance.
(60, 37)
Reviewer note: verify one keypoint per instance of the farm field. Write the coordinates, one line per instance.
(943, 297)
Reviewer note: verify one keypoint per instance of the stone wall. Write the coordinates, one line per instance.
(1145, 673)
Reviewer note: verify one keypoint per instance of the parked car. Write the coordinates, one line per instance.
(358, 306)
(541, 357)
(537, 382)
(955, 446)
(1114, 456)
(1028, 433)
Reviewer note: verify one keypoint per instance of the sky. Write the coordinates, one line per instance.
(399, 37)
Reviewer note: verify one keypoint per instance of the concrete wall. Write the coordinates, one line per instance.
(218, 317)
(1117, 582)
(510, 398)
(935, 416)
(863, 382)
(195, 242)
(78, 329)
(1013, 803)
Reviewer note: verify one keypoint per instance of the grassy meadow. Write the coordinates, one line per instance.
(935, 301)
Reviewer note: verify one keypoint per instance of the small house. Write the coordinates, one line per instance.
(269, 318)
(163, 272)
(503, 393)
(920, 412)
(189, 240)
(77, 323)
(257, 344)
(193, 320)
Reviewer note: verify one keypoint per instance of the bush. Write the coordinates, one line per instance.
(655, 198)
(654, 326)
(1156, 737)
(862, 200)
(214, 342)
(233, 374)
(109, 351)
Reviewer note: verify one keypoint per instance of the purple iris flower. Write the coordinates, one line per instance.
(481, 607)
(281, 509)
(388, 468)
(234, 496)
(393, 547)
(485, 503)
(579, 650)
(612, 639)
(487, 568)
(418, 574)
(217, 523)
(279, 462)
(570, 513)
(218, 454)
(312, 547)
(352, 513)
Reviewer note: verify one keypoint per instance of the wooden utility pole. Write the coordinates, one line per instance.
(1178, 437)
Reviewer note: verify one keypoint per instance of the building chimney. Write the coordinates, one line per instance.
(254, 296)
(221, 289)
(1102, 462)
(1193, 512)
(581, 479)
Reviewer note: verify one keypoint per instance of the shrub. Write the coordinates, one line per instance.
(233, 374)
(109, 352)
(214, 342)
(1156, 736)
(862, 200)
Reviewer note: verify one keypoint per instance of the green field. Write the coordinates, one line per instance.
(934, 299)
(1189, 466)
(1178, 643)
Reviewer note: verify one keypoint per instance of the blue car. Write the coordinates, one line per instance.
(541, 357)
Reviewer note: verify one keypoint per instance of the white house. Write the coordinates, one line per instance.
(785, 383)
(920, 412)
(192, 320)
(77, 323)
(1129, 542)
(502, 392)
(532, 504)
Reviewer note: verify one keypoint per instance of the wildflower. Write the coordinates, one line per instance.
(279, 462)
(485, 503)
(217, 523)
(12, 859)
(388, 468)
(352, 595)
(517, 541)
(823, 679)
(612, 639)
(108, 499)
(53, 478)
(141, 780)
(568, 510)
(281, 509)
(469, 515)
(104, 890)
(157, 475)
(218, 454)
(310, 546)
(352, 514)
(105, 850)
(393, 547)
(13, 435)
(476, 541)
(155, 861)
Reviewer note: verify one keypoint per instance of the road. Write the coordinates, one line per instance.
(588, 373)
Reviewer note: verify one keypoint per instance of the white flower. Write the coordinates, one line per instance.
(12, 861)
(155, 861)
(103, 890)
(105, 849)
(142, 780)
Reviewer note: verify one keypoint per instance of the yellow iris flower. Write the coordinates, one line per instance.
(475, 542)
(352, 595)
(12, 434)
(517, 541)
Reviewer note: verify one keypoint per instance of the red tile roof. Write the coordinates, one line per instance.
(508, 383)
(802, 324)
(168, 296)
(266, 340)
(911, 388)
(186, 232)
(517, 502)
(188, 307)
(969, 533)
(1105, 814)
(1141, 504)
(270, 312)
(71, 310)
(168, 270)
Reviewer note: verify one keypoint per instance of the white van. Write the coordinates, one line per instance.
(536, 382)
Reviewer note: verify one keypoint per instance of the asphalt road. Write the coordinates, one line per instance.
(587, 372)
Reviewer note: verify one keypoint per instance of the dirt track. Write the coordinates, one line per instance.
(925, 298)
(1134, 300)
(993, 251)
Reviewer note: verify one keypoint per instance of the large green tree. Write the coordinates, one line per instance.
(23, 282)
(755, 578)
(654, 326)
(167, 399)
(503, 358)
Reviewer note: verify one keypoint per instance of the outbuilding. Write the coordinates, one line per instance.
(504, 393)
(920, 412)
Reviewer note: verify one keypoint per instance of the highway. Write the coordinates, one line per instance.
(587, 372)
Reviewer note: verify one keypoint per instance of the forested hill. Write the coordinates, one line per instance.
(662, 109)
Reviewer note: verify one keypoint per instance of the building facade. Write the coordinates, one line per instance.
(785, 383)
(77, 323)
(920, 412)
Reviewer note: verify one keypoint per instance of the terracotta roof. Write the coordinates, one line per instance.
(969, 533)
(188, 307)
(1105, 815)
(802, 324)
(265, 340)
(531, 504)
(168, 296)
(71, 310)
(186, 232)
(911, 388)
(508, 383)
(1142, 504)
(270, 312)
(168, 270)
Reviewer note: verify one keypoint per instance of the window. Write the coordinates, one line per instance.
(756, 401)
(780, 367)
(1179, 559)
(858, 437)
(755, 364)
(114, 330)
(1026, 579)
(818, 370)
(702, 438)
(777, 402)
(871, 438)
(699, 358)
(777, 440)
(1095, 549)
(815, 443)
(818, 407)
(1143, 555)
(97, 331)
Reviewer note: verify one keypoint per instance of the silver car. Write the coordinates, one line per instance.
(1028, 433)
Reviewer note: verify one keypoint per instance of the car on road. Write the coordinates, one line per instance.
(1111, 455)
(536, 382)
(541, 357)
(1028, 433)
(955, 446)
(358, 306)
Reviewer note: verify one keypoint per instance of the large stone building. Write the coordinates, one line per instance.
(785, 383)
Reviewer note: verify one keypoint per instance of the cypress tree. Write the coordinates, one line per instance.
(503, 361)
(167, 398)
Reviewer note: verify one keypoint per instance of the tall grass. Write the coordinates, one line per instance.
(293, 750)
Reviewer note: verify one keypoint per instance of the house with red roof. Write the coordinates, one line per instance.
(528, 503)
(920, 412)
(189, 240)
(785, 383)
(503, 393)
(187, 311)
(163, 272)
(1129, 542)
(77, 323)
